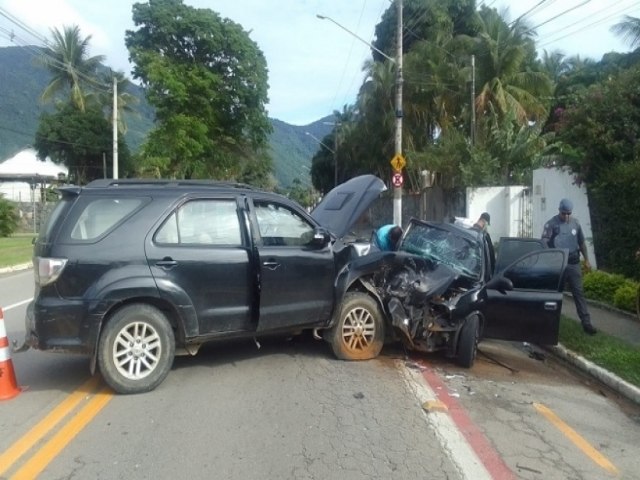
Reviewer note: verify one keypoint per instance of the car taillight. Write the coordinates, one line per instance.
(47, 270)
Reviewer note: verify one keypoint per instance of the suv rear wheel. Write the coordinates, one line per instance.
(359, 332)
(136, 349)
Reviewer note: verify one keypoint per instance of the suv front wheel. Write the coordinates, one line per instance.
(359, 332)
(136, 349)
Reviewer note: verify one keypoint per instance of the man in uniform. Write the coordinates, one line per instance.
(563, 231)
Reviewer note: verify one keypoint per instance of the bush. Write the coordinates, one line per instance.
(626, 295)
(8, 218)
(602, 286)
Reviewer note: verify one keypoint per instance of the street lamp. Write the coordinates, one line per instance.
(323, 17)
(320, 142)
(397, 190)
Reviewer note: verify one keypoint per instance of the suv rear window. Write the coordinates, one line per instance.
(202, 222)
(102, 214)
(60, 210)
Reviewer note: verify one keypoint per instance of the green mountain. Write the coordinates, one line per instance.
(22, 81)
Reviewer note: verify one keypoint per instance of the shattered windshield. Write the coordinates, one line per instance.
(443, 246)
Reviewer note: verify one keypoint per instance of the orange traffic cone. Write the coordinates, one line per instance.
(8, 385)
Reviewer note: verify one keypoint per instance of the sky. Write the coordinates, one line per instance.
(315, 65)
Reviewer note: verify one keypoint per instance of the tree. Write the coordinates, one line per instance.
(601, 132)
(71, 66)
(8, 217)
(506, 79)
(208, 82)
(81, 141)
(629, 30)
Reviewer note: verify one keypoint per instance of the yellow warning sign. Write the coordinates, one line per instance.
(398, 162)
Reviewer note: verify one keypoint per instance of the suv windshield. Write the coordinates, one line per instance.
(444, 246)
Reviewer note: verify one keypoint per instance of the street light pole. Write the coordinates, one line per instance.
(335, 147)
(397, 191)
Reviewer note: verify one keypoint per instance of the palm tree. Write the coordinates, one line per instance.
(504, 54)
(72, 68)
(629, 30)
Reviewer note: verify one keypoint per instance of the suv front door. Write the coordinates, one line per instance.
(531, 311)
(296, 277)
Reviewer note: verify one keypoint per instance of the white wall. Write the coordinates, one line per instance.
(504, 205)
(550, 185)
(514, 211)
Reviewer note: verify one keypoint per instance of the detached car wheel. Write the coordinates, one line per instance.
(136, 349)
(359, 332)
(468, 342)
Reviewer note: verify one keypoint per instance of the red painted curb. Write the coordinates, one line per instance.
(489, 457)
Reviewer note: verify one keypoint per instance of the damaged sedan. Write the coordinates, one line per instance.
(443, 290)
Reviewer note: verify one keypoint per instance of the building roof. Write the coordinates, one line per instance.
(26, 167)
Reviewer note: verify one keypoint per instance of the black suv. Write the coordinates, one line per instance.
(133, 272)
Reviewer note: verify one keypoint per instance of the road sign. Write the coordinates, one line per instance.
(398, 162)
(397, 179)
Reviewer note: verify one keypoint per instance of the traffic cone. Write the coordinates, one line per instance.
(8, 385)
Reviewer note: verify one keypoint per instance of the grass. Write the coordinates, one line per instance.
(606, 351)
(15, 249)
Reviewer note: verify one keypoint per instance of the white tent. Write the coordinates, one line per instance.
(22, 176)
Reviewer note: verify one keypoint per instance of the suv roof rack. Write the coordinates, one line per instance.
(127, 182)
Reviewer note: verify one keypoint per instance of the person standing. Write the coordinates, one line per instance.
(564, 231)
(388, 237)
(483, 221)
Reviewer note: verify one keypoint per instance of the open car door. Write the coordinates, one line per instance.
(530, 312)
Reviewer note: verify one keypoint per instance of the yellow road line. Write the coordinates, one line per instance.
(580, 442)
(28, 440)
(39, 461)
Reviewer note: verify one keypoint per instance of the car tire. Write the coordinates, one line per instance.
(359, 331)
(468, 341)
(136, 349)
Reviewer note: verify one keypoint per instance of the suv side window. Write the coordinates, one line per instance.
(202, 222)
(102, 214)
(279, 225)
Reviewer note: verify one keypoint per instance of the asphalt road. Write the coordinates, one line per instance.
(291, 410)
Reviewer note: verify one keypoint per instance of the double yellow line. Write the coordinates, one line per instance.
(94, 402)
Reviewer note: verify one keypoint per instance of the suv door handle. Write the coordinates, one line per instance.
(167, 263)
(271, 265)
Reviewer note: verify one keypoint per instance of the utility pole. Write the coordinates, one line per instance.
(473, 100)
(115, 127)
(335, 156)
(397, 190)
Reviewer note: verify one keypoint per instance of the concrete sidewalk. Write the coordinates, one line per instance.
(611, 321)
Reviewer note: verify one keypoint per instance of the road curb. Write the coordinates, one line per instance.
(613, 381)
(16, 268)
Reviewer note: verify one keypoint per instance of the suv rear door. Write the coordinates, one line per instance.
(531, 311)
(200, 259)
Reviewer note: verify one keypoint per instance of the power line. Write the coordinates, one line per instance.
(599, 21)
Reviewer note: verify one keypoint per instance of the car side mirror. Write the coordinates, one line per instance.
(500, 283)
(320, 238)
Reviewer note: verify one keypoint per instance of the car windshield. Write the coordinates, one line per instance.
(445, 246)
